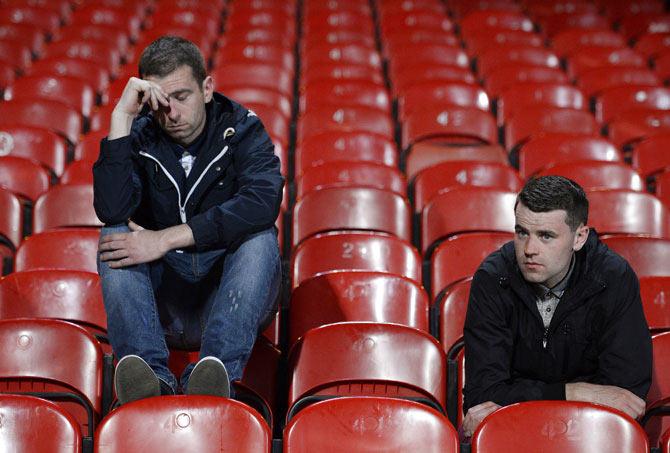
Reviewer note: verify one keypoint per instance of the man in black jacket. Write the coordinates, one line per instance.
(189, 188)
(555, 314)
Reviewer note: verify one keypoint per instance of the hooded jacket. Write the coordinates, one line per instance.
(234, 188)
(598, 333)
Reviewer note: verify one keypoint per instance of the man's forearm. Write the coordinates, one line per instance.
(177, 237)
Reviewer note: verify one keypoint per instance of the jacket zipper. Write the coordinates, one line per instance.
(182, 208)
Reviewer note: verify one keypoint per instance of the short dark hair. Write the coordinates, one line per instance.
(548, 193)
(168, 53)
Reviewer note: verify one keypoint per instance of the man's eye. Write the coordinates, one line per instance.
(521, 233)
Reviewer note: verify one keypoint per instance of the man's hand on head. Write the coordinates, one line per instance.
(135, 96)
(607, 395)
(475, 416)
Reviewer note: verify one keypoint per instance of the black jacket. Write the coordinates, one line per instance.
(598, 333)
(234, 188)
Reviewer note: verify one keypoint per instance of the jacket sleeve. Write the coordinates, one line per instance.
(256, 204)
(117, 189)
(624, 344)
(489, 351)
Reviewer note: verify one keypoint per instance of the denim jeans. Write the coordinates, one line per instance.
(216, 300)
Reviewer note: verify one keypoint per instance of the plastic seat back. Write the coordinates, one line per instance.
(614, 101)
(341, 296)
(594, 81)
(351, 209)
(647, 256)
(654, 292)
(65, 206)
(658, 397)
(419, 95)
(366, 358)
(524, 426)
(27, 363)
(73, 249)
(628, 212)
(650, 155)
(350, 174)
(423, 155)
(29, 422)
(232, 74)
(37, 143)
(501, 56)
(571, 40)
(470, 209)
(11, 221)
(548, 149)
(344, 119)
(636, 125)
(345, 93)
(507, 76)
(44, 113)
(24, 177)
(459, 256)
(446, 176)
(73, 296)
(355, 251)
(520, 96)
(407, 426)
(184, 423)
(598, 175)
(597, 57)
(451, 309)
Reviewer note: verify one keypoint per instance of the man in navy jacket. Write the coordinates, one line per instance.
(555, 314)
(189, 188)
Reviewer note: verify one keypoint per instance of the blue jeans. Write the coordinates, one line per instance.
(216, 300)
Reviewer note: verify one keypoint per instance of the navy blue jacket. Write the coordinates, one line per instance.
(234, 188)
(598, 333)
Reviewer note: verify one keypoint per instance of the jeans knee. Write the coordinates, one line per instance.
(118, 228)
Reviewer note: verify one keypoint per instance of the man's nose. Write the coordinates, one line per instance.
(530, 247)
(171, 112)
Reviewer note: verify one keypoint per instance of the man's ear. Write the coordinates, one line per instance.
(208, 88)
(581, 234)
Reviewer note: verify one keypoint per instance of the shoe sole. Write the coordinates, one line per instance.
(209, 377)
(134, 380)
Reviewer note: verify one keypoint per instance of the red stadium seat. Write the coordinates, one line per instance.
(102, 53)
(598, 175)
(521, 426)
(482, 40)
(663, 188)
(346, 146)
(588, 58)
(446, 176)
(73, 296)
(628, 212)
(461, 8)
(278, 23)
(507, 76)
(271, 54)
(647, 256)
(29, 421)
(425, 154)
(459, 256)
(469, 209)
(46, 20)
(252, 96)
(344, 119)
(25, 33)
(636, 25)
(195, 35)
(7, 75)
(594, 81)
(569, 41)
(88, 148)
(206, 23)
(455, 125)
(48, 355)
(452, 306)
(418, 96)
(580, 20)
(86, 71)
(172, 423)
(650, 156)
(422, 54)
(103, 33)
(49, 114)
(535, 120)
(335, 54)
(345, 93)
(15, 54)
(665, 442)
(11, 223)
(354, 251)
(614, 101)
(74, 92)
(23, 177)
(72, 249)
(501, 56)
(341, 72)
(366, 358)
(341, 296)
(521, 96)
(345, 208)
(65, 206)
(349, 174)
(656, 420)
(653, 291)
(399, 38)
(337, 20)
(636, 125)
(121, 18)
(545, 150)
(337, 37)
(261, 35)
(78, 172)
(405, 77)
(312, 429)
(652, 44)
(235, 74)
(491, 19)
(618, 9)
(434, 21)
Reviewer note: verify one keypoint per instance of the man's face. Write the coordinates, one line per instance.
(544, 244)
(185, 119)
